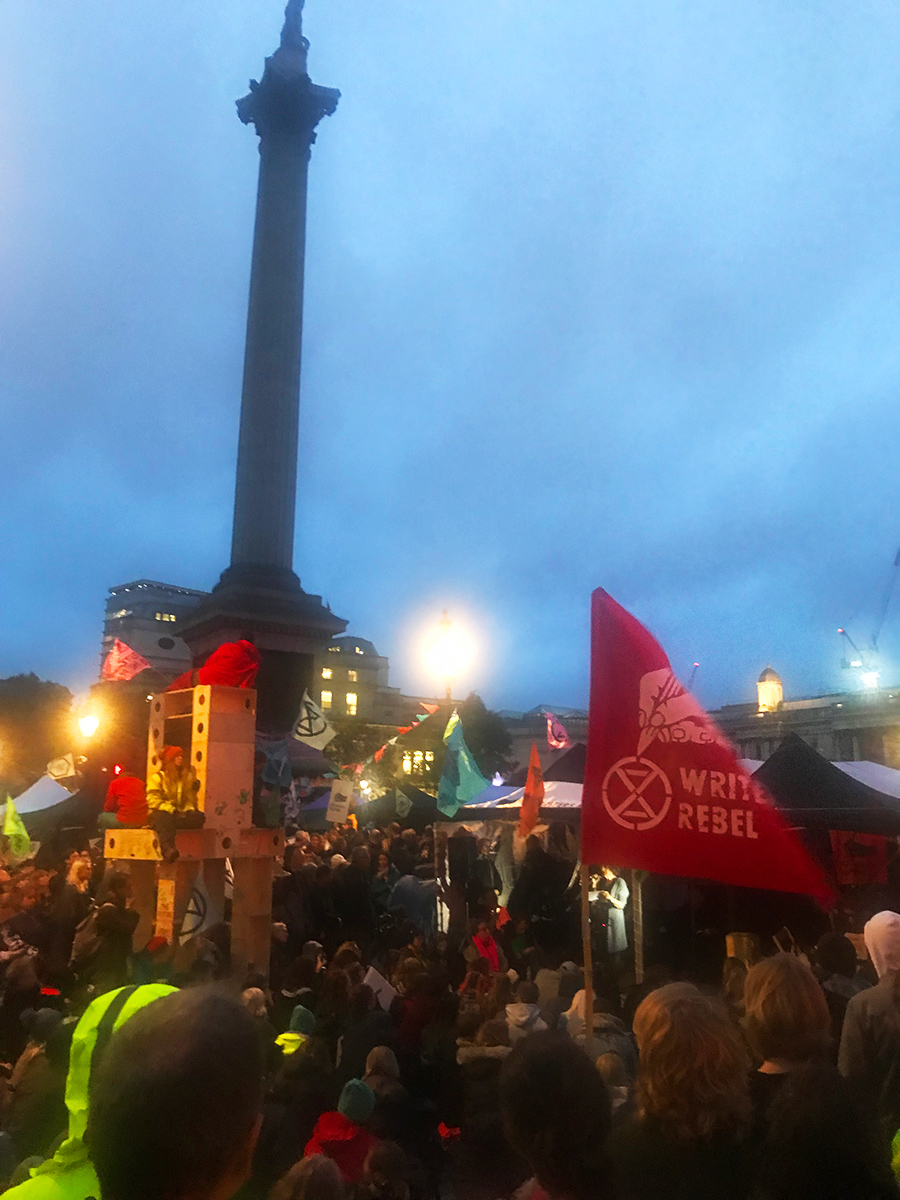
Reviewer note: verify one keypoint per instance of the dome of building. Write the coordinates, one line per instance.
(769, 676)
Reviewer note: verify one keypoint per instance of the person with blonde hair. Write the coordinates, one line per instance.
(315, 1178)
(688, 1137)
(786, 1022)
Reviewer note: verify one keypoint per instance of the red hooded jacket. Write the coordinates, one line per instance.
(344, 1142)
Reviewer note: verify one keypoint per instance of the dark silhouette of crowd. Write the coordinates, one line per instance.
(384, 1059)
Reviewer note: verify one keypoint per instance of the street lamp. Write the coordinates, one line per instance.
(449, 653)
(88, 724)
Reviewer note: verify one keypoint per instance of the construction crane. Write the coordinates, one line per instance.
(866, 661)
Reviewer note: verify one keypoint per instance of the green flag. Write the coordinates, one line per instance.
(15, 832)
(461, 780)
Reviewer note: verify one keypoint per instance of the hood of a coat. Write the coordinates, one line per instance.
(882, 938)
(334, 1129)
(84, 1040)
(523, 1016)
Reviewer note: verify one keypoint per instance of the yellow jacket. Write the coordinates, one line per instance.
(174, 795)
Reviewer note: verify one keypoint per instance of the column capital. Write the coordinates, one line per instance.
(285, 102)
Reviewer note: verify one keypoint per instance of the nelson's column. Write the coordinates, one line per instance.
(259, 596)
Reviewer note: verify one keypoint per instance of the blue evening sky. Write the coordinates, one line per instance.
(596, 294)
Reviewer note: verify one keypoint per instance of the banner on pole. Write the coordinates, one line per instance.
(339, 801)
(663, 787)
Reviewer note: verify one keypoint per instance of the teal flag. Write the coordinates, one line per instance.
(15, 832)
(461, 780)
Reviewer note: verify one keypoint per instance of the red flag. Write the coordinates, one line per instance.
(122, 663)
(534, 794)
(663, 788)
(557, 738)
(859, 858)
(431, 709)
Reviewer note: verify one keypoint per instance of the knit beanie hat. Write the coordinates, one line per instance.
(302, 1021)
(357, 1101)
(170, 753)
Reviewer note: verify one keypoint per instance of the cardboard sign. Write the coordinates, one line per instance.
(384, 993)
(339, 802)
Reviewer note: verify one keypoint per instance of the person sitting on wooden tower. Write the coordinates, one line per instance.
(172, 800)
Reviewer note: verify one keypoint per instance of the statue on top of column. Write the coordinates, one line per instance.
(292, 32)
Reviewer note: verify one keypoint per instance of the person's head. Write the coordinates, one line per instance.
(393, 830)
(345, 955)
(383, 1061)
(785, 1012)
(174, 1105)
(362, 1001)
(357, 1101)
(693, 1066)
(817, 1143)
(173, 758)
(115, 889)
(384, 863)
(483, 930)
(734, 977)
(527, 992)
(612, 1069)
(360, 858)
(334, 997)
(40, 1023)
(386, 1170)
(410, 839)
(302, 1021)
(608, 873)
(882, 938)
(493, 1033)
(254, 1000)
(315, 1178)
(835, 954)
(556, 1115)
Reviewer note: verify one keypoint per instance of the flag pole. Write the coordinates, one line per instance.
(586, 947)
(637, 910)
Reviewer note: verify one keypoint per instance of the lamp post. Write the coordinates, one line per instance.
(446, 653)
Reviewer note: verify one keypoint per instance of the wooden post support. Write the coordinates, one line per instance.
(588, 956)
(637, 911)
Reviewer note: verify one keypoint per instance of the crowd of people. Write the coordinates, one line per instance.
(382, 1058)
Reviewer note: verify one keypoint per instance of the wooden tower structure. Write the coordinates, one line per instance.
(215, 728)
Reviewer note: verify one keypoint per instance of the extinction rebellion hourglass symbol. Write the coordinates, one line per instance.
(637, 794)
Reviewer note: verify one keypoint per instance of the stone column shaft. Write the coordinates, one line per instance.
(266, 484)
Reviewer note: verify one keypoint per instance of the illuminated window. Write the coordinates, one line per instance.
(327, 672)
(407, 762)
(353, 676)
(123, 612)
(326, 701)
(429, 756)
(164, 616)
(418, 761)
(359, 650)
(334, 649)
(351, 704)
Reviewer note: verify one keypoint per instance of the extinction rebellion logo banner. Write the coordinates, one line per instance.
(664, 789)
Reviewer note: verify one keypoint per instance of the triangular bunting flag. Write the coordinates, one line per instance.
(461, 780)
(14, 831)
(311, 727)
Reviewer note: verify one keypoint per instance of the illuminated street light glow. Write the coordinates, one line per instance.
(88, 724)
(869, 680)
(450, 653)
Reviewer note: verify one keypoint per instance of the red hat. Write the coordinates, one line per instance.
(170, 753)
